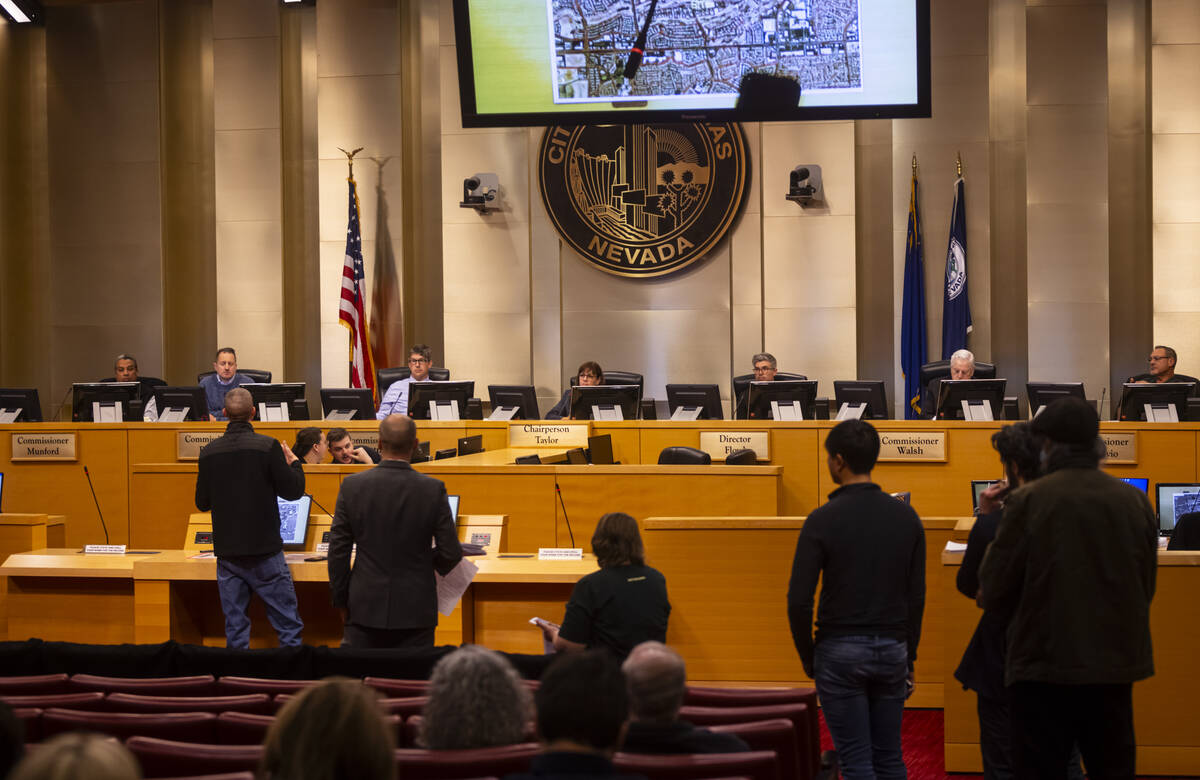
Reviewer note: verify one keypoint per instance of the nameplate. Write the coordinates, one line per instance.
(323, 548)
(43, 446)
(548, 434)
(189, 443)
(366, 438)
(1120, 446)
(718, 444)
(560, 553)
(104, 549)
(912, 446)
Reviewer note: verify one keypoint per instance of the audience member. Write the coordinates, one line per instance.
(620, 606)
(395, 398)
(12, 739)
(1074, 537)
(77, 755)
(657, 680)
(476, 700)
(345, 451)
(589, 375)
(225, 378)
(582, 707)
(310, 445)
(332, 731)
(868, 549)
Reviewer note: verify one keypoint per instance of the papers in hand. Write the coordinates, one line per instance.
(544, 625)
(451, 587)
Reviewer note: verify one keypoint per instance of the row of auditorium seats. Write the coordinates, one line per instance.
(180, 726)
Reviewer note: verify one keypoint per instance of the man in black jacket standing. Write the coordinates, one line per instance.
(240, 474)
(869, 550)
(389, 598)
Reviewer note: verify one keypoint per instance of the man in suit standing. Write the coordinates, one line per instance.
(389, 598)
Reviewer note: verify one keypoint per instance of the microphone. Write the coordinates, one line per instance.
(61, 401)
(1100, 407)
(558, 492)
(639, 47)
(318, 503)
(93, 489)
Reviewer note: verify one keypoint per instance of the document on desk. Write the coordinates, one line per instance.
(451, 587)
(955, 547)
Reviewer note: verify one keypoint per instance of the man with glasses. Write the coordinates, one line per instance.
(395, 400)
(1162, 368)
(589, 375)
(765, 368)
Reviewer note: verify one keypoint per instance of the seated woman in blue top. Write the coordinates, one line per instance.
(589, 375)
(620, 606)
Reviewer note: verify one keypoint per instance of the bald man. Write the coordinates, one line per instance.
(389, 598)
(656, 678)
(238, 478)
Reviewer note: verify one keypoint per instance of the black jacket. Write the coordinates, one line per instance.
(392, 512)
(677, 737)
(982, 666)
(240, 475)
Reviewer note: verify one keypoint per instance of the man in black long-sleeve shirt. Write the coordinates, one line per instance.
(239, 476)
(870, 550)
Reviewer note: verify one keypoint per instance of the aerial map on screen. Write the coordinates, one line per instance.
(702, 47)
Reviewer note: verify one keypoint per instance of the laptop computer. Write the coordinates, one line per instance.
(453, 509)
(1175, 499)
(601, 450)
(293, 521)
(1141, 483)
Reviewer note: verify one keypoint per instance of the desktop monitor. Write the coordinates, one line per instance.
(521, 397)
(106, 402)
(862, 391)
(610, 399)
(469, 445)
(1044, 393)
(272, 399)
(1175, 499)
(1135, 396)
(24, 399)
(348, 403)
(705, 398)
(1141, 483)
(576, 456)
(422, 394)
(977, 488)
(453, 508)
(177, 404)
(955, 391)
(782, 391)
(293, 521)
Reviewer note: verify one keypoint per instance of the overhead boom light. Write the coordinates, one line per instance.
(22, 11)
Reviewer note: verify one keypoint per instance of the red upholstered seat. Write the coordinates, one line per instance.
(198, 685)
(242, 728)
(403, 706)
(808, 738)
(229, 686)
(417, 763)
(133, 702)
(76, 701)
(778, 735)
(168, 758)
(748, 697)
(757, 765)
(182, 726)
(31, 719)
(222, 776)
(32, 685)
(393, 688)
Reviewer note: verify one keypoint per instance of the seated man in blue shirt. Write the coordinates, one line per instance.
(395, 400)
(225, 379)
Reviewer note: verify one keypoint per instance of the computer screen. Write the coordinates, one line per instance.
(293, 521)
(784, 392)
(1141, 483)
(607, 397)
(1045, 393)
(357, 402)
(23, 398)
(453, 508)
(422, 394)
(271, 396)
(469, 445)
(1175, 499)
(170, 402)
(707, 398)
(523, 397)
(115, 398)
(862, 391)
(977, 488)
(1135, 396)
(954, 391)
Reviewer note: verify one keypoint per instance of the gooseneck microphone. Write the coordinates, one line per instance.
(1100, 406)
(93, 489)
(558, 492)
(639, 47)
(318, 503)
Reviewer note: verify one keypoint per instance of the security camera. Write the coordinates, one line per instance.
(804, 186)
(481, 192)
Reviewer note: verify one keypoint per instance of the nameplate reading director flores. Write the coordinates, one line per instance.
(643, 200)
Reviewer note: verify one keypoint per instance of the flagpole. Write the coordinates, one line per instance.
(350, 158)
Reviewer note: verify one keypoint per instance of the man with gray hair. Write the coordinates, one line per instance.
(962, 366)
(765, 368)
(656, 679)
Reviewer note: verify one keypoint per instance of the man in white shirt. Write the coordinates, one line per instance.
(395, 400)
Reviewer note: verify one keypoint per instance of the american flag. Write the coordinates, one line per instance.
(350, 311)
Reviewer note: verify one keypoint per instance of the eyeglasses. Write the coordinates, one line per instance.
(417, 360)
(1159, 357)
(588, 376)
(759, 369)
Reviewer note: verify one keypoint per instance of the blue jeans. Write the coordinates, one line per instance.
(269, 577)
(861, 683)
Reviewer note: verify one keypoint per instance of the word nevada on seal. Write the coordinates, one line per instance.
(643, 200)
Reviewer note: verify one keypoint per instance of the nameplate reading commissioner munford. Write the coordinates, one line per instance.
(43, 446)
(718, 444)
(912, 446)
(548, 434)
(1120, 446)
(189, 443)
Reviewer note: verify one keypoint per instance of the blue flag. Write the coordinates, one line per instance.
(912, 322)
(956, 311)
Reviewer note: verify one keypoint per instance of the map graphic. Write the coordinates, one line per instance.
(702, 47)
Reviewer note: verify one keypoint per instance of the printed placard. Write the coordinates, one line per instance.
(539, 434)
(367, 438)
(43, 446)
(1120, 446)
(560, 553)
(189, 443)
(912, 446)
(719, 444)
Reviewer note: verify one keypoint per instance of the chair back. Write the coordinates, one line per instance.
(618, 378)
(179, 726)
(777, 735)
(390, 687)
(133, 702)
(197, 685)
(460, 764)
(742, 457)
(243, 728)
(232, 686)
(940, 369)
(93, 700)
(31, 719)
(257, 374)
(33, 684)
(756, 764)
(170, 758)
(683, 456)
(803, 718)
(386, 377)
